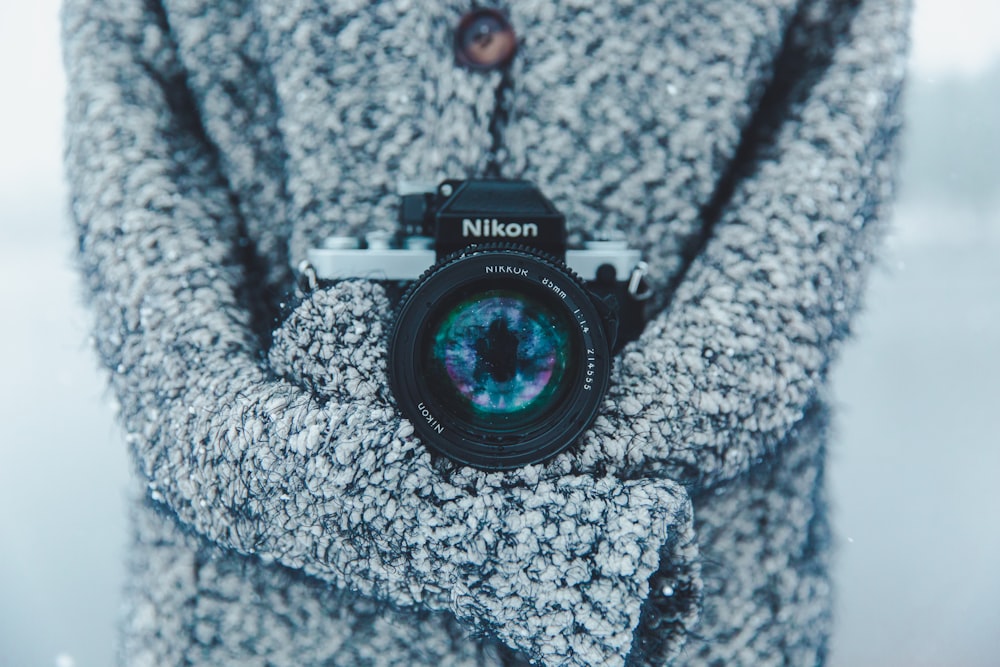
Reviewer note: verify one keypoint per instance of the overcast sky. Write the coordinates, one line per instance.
(955, 37)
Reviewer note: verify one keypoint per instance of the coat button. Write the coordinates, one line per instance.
(484, 40)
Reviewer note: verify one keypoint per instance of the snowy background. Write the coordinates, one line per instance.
(915, 466)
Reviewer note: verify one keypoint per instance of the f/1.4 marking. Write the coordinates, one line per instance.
(492, 227)
(431, 419)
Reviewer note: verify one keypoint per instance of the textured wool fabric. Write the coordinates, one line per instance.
(288, 515)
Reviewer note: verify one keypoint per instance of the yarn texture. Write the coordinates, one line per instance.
(284, 513)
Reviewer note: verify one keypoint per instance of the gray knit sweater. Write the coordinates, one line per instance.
(286, 514)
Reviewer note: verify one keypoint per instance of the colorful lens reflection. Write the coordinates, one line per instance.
(500, 353)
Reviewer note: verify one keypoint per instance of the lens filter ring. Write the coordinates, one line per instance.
(499, 357)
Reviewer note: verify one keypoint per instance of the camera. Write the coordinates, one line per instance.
(502, 345)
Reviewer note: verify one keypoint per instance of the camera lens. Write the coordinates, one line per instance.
(499, 357)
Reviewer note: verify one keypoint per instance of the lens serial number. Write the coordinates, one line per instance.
(589, 373)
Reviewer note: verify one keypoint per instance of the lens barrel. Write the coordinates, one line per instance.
(500, 356)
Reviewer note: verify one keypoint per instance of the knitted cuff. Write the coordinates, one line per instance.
(333, 343)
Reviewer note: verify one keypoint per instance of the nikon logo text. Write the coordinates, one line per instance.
(493, 227)
(431, 419)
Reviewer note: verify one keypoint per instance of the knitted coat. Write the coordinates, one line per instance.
(286, 514)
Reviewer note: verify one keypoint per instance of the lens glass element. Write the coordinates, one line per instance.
(498, 357)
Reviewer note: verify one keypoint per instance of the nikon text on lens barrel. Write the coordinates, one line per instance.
(501, 350)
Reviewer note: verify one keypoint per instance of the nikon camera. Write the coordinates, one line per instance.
(501, 349)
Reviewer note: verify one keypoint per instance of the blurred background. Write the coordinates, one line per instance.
(915, 464)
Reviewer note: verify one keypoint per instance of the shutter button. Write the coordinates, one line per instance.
(484, 40)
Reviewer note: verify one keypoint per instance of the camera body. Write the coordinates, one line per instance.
(501, 350)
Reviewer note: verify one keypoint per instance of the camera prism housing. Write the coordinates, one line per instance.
(502, 346)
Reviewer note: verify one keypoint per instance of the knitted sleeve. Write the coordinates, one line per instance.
(556, 565)
(723, 373)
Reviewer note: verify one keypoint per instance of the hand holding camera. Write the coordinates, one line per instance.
(500, 352)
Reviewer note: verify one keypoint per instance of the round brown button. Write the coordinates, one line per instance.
(484, 40)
